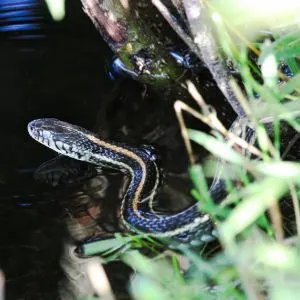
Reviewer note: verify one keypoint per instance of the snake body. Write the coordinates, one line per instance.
(139, 163)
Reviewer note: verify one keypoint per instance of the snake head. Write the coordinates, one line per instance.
(62, 137)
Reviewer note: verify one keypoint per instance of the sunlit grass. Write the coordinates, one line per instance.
(256, 260)
(56, 9)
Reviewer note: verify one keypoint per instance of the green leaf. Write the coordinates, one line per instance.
(216, 147)
(56, 8)
(283, 48)
(107, 245)
(199, 180)
(289, 87)
(252, 207)
(279, 169)
(276, 110)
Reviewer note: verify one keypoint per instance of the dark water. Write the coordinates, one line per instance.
(59, 70)
(47, 69)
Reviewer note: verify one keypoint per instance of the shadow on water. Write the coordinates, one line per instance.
(59, 70)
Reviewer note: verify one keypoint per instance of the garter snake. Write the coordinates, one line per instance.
(140, 164)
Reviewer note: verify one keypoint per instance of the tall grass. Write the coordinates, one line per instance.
(257, 260)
